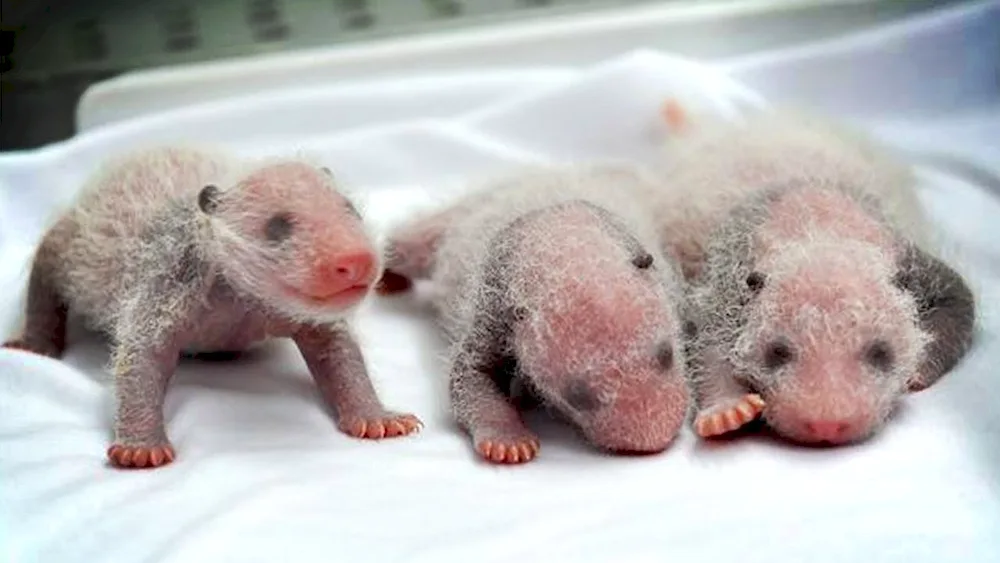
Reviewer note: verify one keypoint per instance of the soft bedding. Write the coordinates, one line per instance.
(263, 475)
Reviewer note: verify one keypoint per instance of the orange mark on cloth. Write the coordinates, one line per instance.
(674, 115)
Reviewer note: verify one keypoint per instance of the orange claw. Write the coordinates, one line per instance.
(376, 430)
(729, 416)
(138, 457)
(519, 451)
(384, 427)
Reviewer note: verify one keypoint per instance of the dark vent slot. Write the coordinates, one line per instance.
(270, 33)
(536, 3)
(181, 43)
(179, 29)
(355, 14)
(6, 48)
(262, 12)
(266, 21)
(87, 41)
(443, 8)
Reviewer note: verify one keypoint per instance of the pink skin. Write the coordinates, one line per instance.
(297, 285)
(828, 392)
(830, 306)
(597, 339)
(331, 264)
(590, 331)
(815, 267)
(828, 296)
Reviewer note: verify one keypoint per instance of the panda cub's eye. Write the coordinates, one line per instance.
(879, 355)
(278, 228)
(777, 354)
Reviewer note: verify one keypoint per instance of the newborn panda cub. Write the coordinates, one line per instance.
(551, 288)
(173, 252)
(818, 302)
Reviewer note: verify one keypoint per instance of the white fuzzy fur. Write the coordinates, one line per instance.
(101, 236)
(481, 215)
(589, 312)
(713, 166)
(829, 271)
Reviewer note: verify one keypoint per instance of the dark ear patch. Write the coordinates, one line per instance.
(326, 171)
(879, 355)
(643, 260)
(947, 309)
(208, 199)
(278, 228)
(352, 209)
(755, 281)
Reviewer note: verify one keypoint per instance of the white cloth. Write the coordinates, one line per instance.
(263, 474)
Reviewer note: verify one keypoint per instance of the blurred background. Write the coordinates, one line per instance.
(52, 51)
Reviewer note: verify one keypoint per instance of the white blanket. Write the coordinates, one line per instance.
(263, 474)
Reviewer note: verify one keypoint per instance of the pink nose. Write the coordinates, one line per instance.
(344, 271)
(828, 430)
(354, 269)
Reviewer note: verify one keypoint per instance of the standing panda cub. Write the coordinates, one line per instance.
(174, 251)
(817, 302)
(550, 287)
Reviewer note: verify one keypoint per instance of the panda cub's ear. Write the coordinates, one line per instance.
(755, 281)
(208, 199)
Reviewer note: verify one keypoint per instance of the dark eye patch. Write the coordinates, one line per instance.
(879, 355)
(581, 396)
(777, 354)
(279, 227)
(643, 260)
(665, 355)
(326, 170)
(755, 281)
